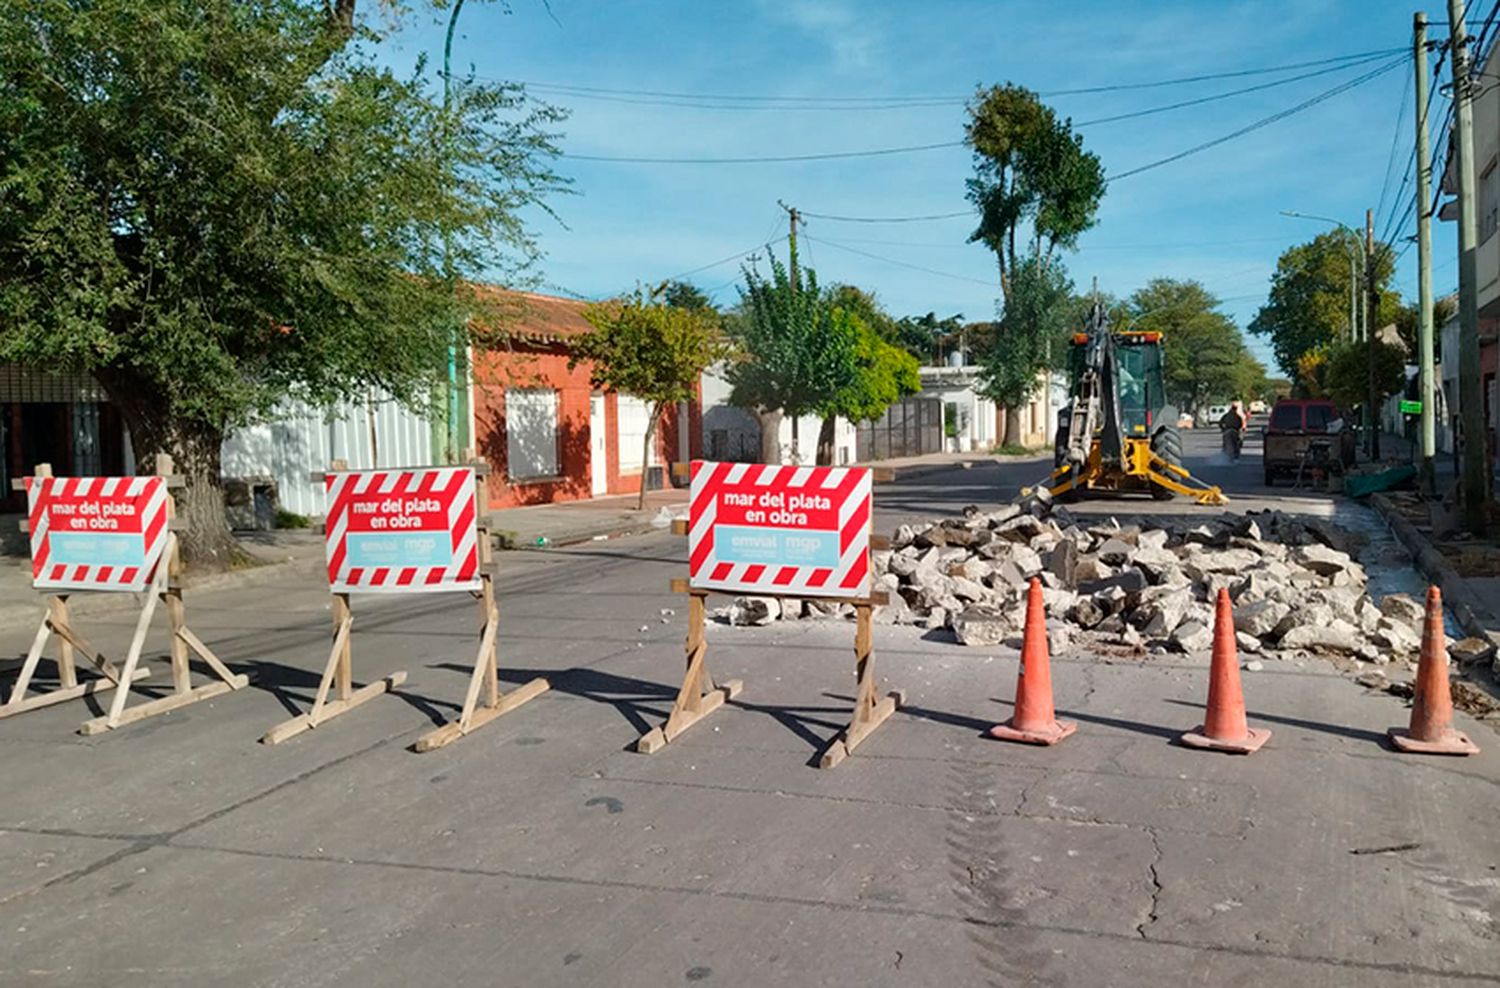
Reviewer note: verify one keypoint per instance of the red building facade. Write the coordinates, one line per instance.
(546, 432)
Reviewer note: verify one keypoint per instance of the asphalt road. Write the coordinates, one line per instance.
(539, 851)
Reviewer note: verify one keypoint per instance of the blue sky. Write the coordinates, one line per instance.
(1213, 216)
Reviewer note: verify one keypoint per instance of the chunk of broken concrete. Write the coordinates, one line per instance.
(1192, 636)
(982, 625)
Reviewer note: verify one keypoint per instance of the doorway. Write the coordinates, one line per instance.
(598, 465)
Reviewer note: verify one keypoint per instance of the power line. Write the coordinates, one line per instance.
(901, 264)
(1221, 96)
(772, 159)
(889, 219)
(571, 89)
(902, 103)
(1262, 122)
(719, 263)
(1390, 163)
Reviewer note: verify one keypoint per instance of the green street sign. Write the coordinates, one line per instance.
(1411, 407)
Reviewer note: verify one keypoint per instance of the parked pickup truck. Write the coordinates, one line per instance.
(1305, 434)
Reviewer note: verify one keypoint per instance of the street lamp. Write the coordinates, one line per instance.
(1354, 333)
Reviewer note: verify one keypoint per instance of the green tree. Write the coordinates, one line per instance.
(1308, 305)
(1039, 311)
(650, 350)
(1346, 378)
(883, 372)
(683, 295)
(793, 351)
(1204, 358)
(211, 205)
(1031, 174)
(1443, 309)
(927, 337)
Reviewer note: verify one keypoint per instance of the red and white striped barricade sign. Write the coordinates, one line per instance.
(790, 532)
(109, 534)
(403, 531)
(96, 533)
(408, 531)
(798, 531)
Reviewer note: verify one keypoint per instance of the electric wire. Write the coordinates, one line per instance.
(1262, 122)
(854, 101)
(1390, 163)
(902, 264)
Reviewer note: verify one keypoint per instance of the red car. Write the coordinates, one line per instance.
(1306, 433)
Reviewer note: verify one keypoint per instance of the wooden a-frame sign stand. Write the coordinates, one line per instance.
(486, 674)
(165, 586)
(698, 697)
(338, 672)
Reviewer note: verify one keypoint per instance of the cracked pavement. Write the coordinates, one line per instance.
(538, 851)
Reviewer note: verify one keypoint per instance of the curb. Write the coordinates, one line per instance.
(914, 471)
(1475, 619)
(512, 540)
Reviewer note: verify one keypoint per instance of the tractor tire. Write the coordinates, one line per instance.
(1167, 444)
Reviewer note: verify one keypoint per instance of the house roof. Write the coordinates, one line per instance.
(530, 317)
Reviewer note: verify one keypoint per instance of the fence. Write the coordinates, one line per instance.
(911, 428)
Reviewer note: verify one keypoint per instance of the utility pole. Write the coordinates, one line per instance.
(792, 217)
(451, 443)
(1475, 435)
(1428, 423)
(1372, 288)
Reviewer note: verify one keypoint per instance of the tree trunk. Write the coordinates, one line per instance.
(640, 503)
(1012, 427)
(207, 543)
(825, 441)
(770, 436)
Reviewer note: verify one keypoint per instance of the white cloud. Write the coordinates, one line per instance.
(850, 37)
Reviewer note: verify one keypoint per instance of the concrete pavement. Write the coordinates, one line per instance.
(539, 852)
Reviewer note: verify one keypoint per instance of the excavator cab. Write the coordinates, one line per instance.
(1119, 432)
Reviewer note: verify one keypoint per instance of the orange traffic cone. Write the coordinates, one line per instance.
(1034, 722)
(1431, 731)
(1224, 727)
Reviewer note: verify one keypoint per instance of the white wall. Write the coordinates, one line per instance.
(805, 450)
(736, 432)
(298, 439)
(729, 433)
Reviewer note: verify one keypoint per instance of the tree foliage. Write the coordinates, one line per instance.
(1204, 358)
(927, 337)
(1030, 170)
(1308, 305)
(793, 351)
(211, 205)
(792, 354)
(1443, 309)
(883, 374)
(1346, 379)
(650, 350)
(1038, 310)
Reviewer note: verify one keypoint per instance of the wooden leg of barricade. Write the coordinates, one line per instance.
(698, 696)
(339, 668)
(869, 711)
(57, 609)
(183, 642)
(69, 688)
(486, 679)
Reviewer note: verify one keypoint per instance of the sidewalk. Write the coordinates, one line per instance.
(1473, 598)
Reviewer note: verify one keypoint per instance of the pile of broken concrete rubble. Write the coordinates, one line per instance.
(1148, 584)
